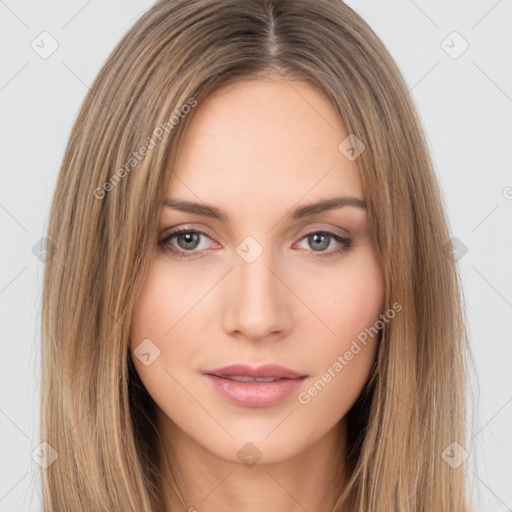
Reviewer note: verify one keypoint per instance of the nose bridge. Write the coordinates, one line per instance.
(256, 304)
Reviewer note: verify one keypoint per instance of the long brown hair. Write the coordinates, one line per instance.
(95, 411)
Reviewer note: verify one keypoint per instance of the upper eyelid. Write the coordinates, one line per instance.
(345, 233)
(178, 230)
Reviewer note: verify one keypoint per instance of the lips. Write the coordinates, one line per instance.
(247, 373)
(249, 386)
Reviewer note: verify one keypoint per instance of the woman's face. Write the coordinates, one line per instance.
(270, 282)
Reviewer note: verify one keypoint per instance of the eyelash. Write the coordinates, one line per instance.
(165, 244)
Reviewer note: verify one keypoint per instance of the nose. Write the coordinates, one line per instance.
(258, 303)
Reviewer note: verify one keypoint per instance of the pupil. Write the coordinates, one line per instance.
(325, 243)
(190, 238)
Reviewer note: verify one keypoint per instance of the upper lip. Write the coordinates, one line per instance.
(246, 370)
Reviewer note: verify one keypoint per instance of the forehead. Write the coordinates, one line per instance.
(262, 140)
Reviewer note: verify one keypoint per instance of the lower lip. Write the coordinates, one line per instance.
(255, 394)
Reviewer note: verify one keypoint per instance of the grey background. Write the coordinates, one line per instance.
(465, 104)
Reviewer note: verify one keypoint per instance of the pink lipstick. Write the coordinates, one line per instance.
(251, 386)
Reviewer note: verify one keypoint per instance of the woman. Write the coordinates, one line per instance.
(252, 300)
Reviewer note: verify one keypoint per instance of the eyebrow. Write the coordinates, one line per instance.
(298, 213)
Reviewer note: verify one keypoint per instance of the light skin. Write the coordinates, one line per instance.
(257, 150)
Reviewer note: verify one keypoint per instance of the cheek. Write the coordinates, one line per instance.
(350, 304)
(349, 299)
(159, 324)
(163, 302)
(155, 321)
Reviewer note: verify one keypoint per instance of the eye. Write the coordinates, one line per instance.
(189, 240)
(321, 240)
